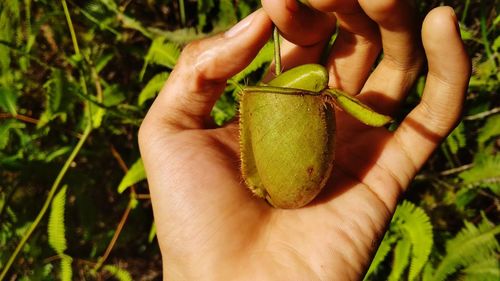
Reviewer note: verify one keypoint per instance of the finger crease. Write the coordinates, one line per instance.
(406, 153)
(367, 187)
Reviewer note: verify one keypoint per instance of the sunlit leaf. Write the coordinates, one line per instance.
(8, 100)
(135, 174)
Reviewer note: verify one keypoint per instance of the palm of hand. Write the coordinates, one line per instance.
(236, 226)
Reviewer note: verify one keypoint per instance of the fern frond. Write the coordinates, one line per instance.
(227, 13)
(485, 172)
(9, 24)
(486, 270)
(472, 244)
(66, 269)
(427, 272)
(55, 88)
(56, 229)
(264, 56)
(243, 8)
(415, 226)
(401, 259)
(162, 53)
(96, 9)
(118, 273)
(203, 9)
(152, 87)
(490, 129)
(456, 140)
(110, 4)
(55, 104)
(384, 248)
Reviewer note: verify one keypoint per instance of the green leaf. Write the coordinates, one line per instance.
(97, 116)
(485, 173)
(66, 269)
(456, 140)
(103, 61)
(224, 109)
(56, 228)
(464, 196)
(162, 53)
(57, 153)
(133, 176)
(400, 260)
(483, 270)
(152, 232)
(152, 87)
(8, 100)
(490, 130)
(113, 95)
(465, 33)
(55, 88)
(118, 273)
(357, 109)
(471, 245)
(415, 225)
(203, 9)
(5, 129)
(384, 248)
(496, 44)
(264, 57)
(227, 13)
(55, 102)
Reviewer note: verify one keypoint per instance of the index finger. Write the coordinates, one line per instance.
(198, 79)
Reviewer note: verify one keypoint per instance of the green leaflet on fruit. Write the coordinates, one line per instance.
(357, 109)
(287, 134)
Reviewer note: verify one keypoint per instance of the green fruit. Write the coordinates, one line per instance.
(287, 140)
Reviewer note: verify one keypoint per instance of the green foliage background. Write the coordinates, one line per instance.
(60, 91)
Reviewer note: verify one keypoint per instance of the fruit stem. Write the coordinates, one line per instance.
(277, 52)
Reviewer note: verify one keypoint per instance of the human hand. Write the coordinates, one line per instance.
(209, 226)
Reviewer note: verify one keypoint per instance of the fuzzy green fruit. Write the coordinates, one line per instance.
(287, 140)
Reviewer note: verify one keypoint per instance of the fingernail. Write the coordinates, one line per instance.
(455, 20)
(452, 12)
(241, 26)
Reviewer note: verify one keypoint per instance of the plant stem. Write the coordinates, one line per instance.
(125, 215)
(118, 230)
(182, 12)
(19, 117)
(47, 202)
(70, 26)
(277, 51)
(481, 115)
(484, 32)
(465, 11)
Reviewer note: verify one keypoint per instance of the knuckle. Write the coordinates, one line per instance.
(189, 53)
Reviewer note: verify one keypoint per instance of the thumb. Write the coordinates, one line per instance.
(198, 79)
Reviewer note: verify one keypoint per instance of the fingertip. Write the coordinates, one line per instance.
(439, 21)
(295, 21)
(443, 45)
(341, 6)
(447, 78)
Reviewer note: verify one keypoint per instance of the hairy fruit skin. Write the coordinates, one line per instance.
(288, 141)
